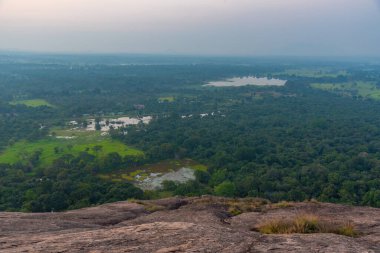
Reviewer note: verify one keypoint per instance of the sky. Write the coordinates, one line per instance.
(193, 27)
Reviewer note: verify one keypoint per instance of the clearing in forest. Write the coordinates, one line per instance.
(151, 176)
(354, 89)
(62, 143)
(32, 103)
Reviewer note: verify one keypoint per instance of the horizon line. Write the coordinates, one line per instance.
(167, 54)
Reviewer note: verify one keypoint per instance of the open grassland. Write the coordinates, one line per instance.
(362, 89)
(52, 148)
(32, 103)
(314, 73)
(168, 99)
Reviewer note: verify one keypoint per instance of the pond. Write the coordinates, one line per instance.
(248, 80)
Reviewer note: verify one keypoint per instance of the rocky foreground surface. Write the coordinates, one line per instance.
(202, 224)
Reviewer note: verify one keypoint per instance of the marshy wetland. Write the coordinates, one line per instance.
(152, 176)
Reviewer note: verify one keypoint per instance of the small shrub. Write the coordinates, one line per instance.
(275, 227)
(234, 206)
(306, 224)
(234, 211)
(239, 206)
(347, 229)
(154, 208)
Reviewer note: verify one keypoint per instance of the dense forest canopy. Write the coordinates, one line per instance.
(316, 137)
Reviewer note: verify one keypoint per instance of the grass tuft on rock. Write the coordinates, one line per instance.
(306, 224)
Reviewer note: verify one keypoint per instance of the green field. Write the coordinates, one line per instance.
(168, 99)
(314, 73)
(32, 103)
(362, 89)
(84, 141)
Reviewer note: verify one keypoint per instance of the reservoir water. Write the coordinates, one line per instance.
(248, 80)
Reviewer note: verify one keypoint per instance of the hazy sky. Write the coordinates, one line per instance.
(222, 27)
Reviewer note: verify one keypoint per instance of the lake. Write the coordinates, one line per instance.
(248, 80)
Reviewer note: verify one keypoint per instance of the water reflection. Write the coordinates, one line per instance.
(249, 80)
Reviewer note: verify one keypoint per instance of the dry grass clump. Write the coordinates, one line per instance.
(239, 206)
(312, 201)
(279, 205)
(233, 206)
(148, 206)
(306, 224)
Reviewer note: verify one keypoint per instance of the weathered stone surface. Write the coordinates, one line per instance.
(181, 225)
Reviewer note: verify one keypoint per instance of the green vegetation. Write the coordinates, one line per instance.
(291, 143)
(69, 183)
(199, 167)
(52, 148)
(32, 103)
(278, 148)
(355, 89)
(315, 73)
(307, 224)
(168, 99)
(226, 188)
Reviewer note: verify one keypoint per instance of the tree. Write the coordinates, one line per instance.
(202, 176)
(97, 149)
(97, 126)
(226, 189)
(112, 161)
